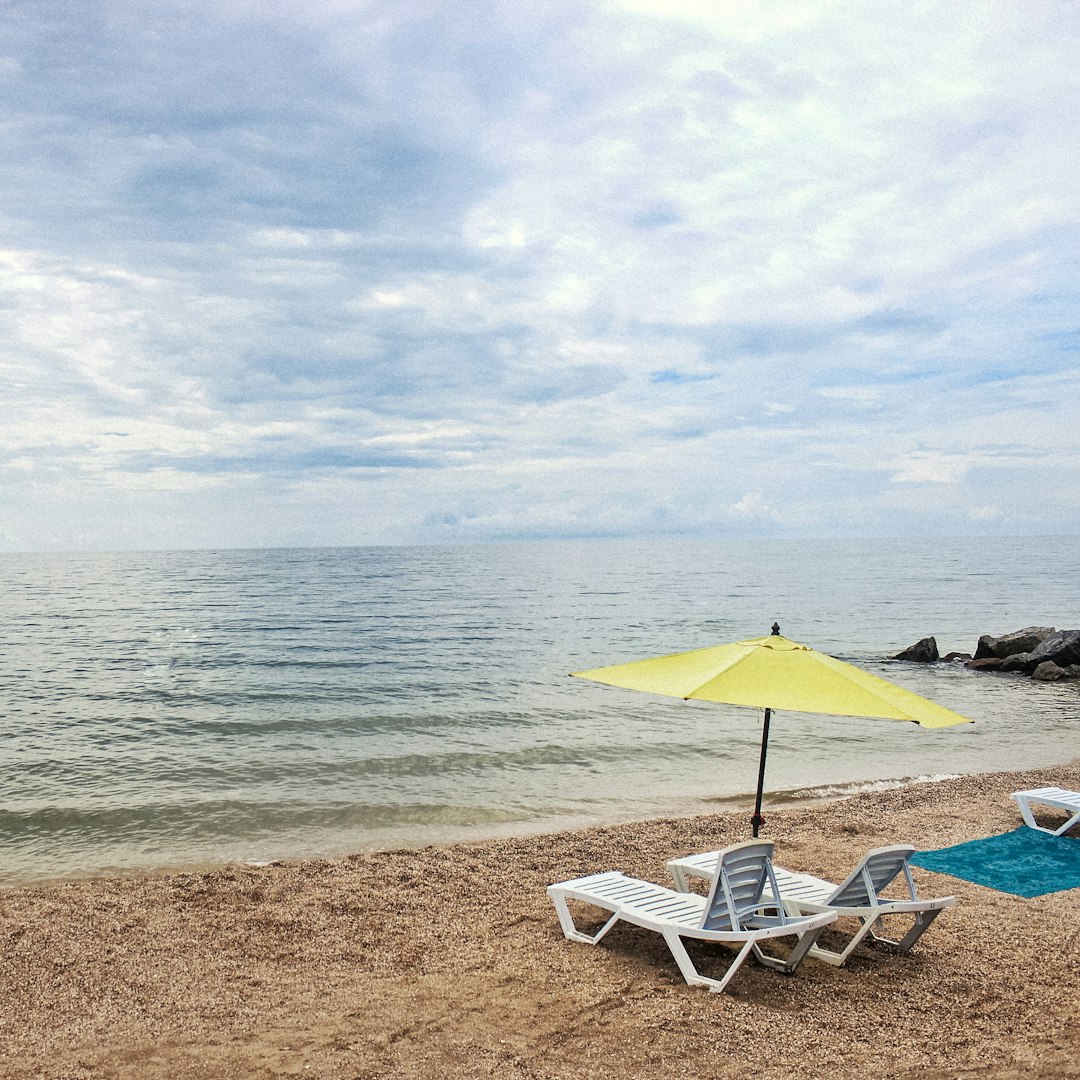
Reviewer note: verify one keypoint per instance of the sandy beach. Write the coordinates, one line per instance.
(449, 962)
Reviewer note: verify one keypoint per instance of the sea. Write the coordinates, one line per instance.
(173, 710)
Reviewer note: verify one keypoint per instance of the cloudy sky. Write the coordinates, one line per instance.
(275, 272)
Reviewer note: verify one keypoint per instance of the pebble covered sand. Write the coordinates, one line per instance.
(449, 962)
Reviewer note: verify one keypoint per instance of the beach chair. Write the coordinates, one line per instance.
(733, 913)
(1059, 798)
(859, 896)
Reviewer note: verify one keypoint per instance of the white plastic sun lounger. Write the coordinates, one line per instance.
(1059, 798)
(859, 896)
(733, 913)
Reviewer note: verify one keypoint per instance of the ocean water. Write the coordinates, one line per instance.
(175, 709)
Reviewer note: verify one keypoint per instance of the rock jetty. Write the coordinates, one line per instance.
(1042, 652)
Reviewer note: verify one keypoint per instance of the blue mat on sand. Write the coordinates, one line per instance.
(1024, 862)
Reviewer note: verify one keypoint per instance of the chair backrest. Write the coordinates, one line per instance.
(743, 872)
(864, 885)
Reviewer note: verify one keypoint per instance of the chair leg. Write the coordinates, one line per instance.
(838, 959)
(923, 919)
(691, 974)
(569, 928)
(869, 928)
(803, 947)
(1025, 812)
(679, 877)
(1029, 818)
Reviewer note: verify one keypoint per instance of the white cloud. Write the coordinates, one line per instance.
(932, 468)
(749, 20)
(751, 505)
(364, 273)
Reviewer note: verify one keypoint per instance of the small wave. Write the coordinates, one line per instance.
(823, 792)
(857, 787)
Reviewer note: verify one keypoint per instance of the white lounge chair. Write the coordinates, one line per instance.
(859, 896)
(733, 913)
(1059, 798)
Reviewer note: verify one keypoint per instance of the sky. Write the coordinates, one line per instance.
(276, 273)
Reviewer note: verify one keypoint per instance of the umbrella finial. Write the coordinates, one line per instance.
(776, 629)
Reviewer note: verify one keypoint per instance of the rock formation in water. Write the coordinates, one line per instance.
(1042, 652)
(922, 652)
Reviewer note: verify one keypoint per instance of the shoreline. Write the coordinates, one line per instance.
(741, 803)
(447, 961)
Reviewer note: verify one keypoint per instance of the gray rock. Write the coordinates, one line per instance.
(1048, 671)
(1019, 641)
(1020, 661)
(956, 657)
(922, 652)
(1052, 655)
(1062, 648)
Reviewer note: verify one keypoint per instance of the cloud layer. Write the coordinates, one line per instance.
(414, 272)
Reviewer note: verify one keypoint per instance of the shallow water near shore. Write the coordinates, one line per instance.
(176, 708)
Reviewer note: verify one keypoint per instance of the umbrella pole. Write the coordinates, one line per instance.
(757, 820)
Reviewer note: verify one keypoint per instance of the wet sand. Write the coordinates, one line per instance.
(449, 962)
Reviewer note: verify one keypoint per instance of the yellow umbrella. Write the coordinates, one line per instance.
(775, 673)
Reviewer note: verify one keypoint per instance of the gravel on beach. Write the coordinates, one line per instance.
(449, 962)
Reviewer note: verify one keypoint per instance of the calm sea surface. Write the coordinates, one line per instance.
(182, 708)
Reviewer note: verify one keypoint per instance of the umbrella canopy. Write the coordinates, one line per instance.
(775, 673)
